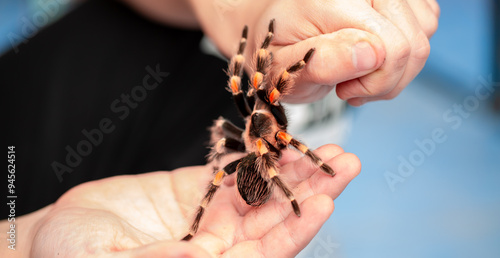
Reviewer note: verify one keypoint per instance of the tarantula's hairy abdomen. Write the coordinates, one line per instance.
(253, 188)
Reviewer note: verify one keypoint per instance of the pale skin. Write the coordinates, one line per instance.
(145, 215)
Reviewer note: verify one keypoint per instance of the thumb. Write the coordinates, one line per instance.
(340, 56)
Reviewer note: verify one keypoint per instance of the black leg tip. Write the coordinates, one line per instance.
(271, 25)
(296, 208)
(327, 169)
(187, 238)
(244, 34)
(309, 54)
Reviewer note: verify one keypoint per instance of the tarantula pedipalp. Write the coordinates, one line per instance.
(265, 134)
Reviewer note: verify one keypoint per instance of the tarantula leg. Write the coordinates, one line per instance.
(268, 162)
(251, 97)
(285, 139)
(225, 146)
(225, 138)
(263, 61)
(288, 194)
(235, 72)
(269, 36)
(283, 84)
(279, 114)
(212, 188)
(222, 128)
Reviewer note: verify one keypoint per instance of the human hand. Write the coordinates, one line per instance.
(145, 215)
(390, 38)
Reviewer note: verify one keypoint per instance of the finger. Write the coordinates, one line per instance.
(304, 168)
(347, 167)
(400, 14)
(408, 49)
(435, 7)
(288, 156)
(164, 249)
(385, 78)
(290, 235)
(392, 94)
(294, 233)
(358, 101)
(220, 223)
(427, 18)
(339, 56)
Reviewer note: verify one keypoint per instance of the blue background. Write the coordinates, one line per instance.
(450, 205)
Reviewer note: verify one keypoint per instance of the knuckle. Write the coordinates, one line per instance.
(377, 88)
(403, 50)
(402, 53)
(342, 93)
(422, 47)
(436, 8)
(430, 26)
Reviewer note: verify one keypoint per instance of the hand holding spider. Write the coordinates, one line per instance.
(367, 50)
(145, 215)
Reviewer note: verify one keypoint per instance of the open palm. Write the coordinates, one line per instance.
(147, 214)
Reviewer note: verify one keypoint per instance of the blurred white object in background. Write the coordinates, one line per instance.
(321, 122)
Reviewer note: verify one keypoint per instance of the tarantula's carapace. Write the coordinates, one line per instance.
(264, 136)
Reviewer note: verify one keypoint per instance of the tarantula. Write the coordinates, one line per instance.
(265, 134)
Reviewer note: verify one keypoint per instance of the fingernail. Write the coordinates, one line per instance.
(363, 56)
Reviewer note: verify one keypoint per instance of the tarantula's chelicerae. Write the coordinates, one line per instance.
(265, 134)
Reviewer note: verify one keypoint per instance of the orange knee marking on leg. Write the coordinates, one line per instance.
(263, 53)
(284, 137)
(219, 146)
(285, 75)
(261, 147)
(218, 177)
(272, 172)
(239, 58)
(257, 80)
(274, 95)
(235, 82)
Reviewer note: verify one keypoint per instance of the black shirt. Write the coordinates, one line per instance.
(105, 92)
